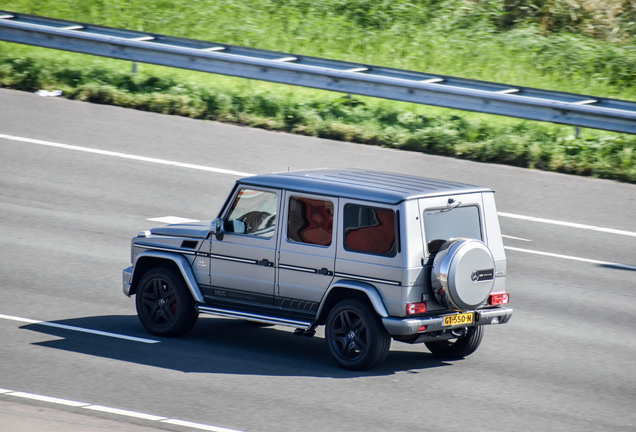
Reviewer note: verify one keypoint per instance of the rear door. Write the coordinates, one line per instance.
(307, 251)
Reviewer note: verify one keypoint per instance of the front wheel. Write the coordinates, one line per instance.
(460, 347)
(164, 304)
(355, 336)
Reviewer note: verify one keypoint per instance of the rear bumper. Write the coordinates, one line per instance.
(412, 326)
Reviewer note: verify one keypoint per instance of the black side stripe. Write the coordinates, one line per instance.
(165, 249)
(296, 268)
(235, 259)
(368, 279)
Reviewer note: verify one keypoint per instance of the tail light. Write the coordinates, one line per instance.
(416, 308)
(499, 298)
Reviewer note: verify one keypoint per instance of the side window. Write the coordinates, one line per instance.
(253, 213)
(310, 221)
(369, 230)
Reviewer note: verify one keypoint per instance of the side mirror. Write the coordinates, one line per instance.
(217, 228)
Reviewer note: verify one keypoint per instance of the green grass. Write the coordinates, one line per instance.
(478, 40)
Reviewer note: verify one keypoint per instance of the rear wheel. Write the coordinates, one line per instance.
(454, 349)
(164, 304)
(355, 336)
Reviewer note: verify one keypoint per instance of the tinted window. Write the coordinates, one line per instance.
(310, 221)
(369, 230)
(443, 224)
(253, 213)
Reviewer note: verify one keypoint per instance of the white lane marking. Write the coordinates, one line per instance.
(125, 156)
(77, 329)
(587, 260)
(515, 238)
(172, 220)
(48, 399)
(124, 412)
(116, 411)
(568, 224)
(244, 174)
(197, 425)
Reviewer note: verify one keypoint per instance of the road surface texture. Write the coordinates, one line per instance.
(78, 180)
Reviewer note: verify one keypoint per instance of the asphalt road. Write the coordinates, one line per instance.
(565, 362)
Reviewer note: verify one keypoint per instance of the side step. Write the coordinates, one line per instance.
(254, 317)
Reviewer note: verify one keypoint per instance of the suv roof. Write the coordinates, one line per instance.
(361, 184)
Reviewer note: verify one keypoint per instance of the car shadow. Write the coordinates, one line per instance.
(618, 267)
(221, 346)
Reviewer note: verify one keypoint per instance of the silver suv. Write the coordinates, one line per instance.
(373, 256)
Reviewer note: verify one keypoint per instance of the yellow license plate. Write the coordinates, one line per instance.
(459, 319)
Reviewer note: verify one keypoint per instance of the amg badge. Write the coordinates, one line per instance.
(482, 275)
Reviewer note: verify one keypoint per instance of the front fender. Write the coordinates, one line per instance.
(133, 276)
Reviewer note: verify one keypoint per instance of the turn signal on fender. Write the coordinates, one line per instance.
(499, 298)
(416, 308)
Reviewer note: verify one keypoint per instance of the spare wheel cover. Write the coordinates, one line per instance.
(463, 273)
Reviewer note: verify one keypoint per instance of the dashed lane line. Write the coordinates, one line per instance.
(572, 258)
(115, 411)
(78, 329)
(568, 224)
(125, 156)
(172, 220)
(515, 238)
(48, 399)
(126, 413)
(245, 174)
(196, 425)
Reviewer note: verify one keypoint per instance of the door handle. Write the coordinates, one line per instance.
(324, 271)
(266, 263)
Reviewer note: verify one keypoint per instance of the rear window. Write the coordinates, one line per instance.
(369, 230)
(443, 224)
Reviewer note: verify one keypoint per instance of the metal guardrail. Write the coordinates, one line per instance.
(339, 76)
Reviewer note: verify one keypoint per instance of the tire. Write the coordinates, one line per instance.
(164, 304)
(458, 348)
(355, 336)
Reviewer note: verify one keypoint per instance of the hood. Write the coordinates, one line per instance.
(193, 230)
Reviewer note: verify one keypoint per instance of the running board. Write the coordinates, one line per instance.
(253, 317)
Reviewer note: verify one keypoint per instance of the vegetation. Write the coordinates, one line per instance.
(581, 46)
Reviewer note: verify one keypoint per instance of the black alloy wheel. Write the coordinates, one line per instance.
(355, 336)
(164, 304)
(455, 349)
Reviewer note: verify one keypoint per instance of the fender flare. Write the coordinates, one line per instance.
(182, 264)
(368, 289)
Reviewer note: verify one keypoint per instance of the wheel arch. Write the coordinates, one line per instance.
(341, 290)
(177, 263)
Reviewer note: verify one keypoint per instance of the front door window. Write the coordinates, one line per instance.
(253, 213)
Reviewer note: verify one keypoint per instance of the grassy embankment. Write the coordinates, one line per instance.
(550, 44)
